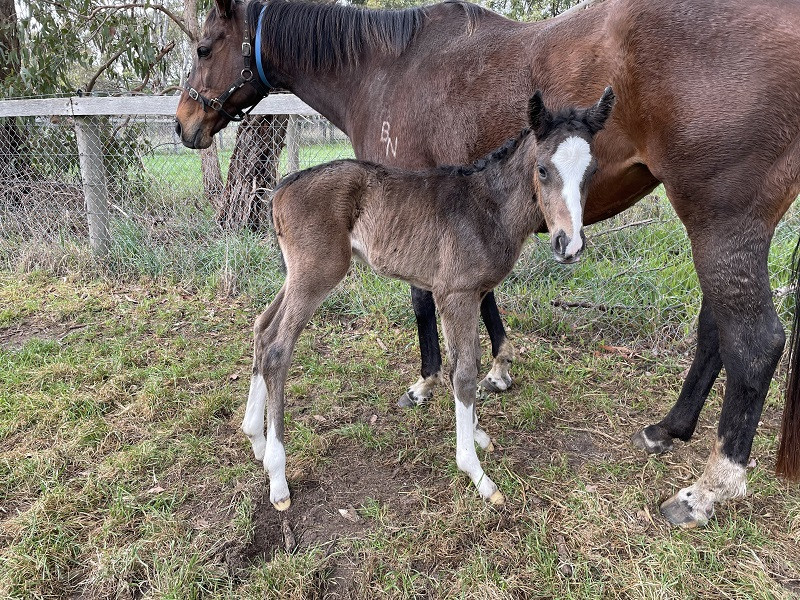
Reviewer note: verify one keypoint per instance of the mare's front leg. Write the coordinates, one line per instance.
(498, 378)
(681, 420)
(430, 354)
(731, 262)
(459, 321)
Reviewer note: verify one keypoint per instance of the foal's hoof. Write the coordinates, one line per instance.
(282, 505)
(679, 512)
(497, 499)
(652, 439)
(495, 384)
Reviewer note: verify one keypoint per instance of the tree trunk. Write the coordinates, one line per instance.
(209, 158)
(12, 137)
(253, 173)
(212, 173)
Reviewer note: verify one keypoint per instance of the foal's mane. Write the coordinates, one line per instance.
(495, 156)
(323, 36)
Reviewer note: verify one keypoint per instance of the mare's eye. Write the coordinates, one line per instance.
(542, 172)
(203, 51)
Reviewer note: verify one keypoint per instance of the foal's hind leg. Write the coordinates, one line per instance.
(681, 421)
(276, 333)
(732, 268)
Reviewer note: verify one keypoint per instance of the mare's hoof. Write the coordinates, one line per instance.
(282, 505)
(652, 439)
(678, 512)
(405, 401)
(410, 400)
(491, 384)
(497, 499)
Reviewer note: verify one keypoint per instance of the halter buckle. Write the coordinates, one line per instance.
(247, 49)
(215, 104)
(194, 94)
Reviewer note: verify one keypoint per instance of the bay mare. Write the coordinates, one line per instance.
(429, 228)
(709, 106)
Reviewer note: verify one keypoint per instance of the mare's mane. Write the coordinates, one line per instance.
(316, 36)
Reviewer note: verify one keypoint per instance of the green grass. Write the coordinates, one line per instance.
(123, 472)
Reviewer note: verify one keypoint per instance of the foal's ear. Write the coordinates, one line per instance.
(224, 8)
(596, 115)
(538, 117)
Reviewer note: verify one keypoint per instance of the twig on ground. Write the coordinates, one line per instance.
(621, 227)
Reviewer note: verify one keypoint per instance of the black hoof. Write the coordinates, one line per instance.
(653, 440)
(679, 513)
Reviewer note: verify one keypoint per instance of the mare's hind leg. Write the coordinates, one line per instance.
(681, 420)
(498, 378)
(459, 321)
(732, 268)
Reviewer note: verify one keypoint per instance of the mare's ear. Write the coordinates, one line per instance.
(224, 8)
(538, 116)
(596, 116)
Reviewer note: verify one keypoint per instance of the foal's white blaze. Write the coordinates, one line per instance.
(253, 422)
(571, 159)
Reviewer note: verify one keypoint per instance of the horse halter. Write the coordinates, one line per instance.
(247, 76)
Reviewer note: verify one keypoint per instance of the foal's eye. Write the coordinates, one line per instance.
(542, 172)
(203, 51)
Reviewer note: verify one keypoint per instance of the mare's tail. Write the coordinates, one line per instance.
(788, 464)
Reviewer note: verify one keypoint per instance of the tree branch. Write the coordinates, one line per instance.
(162, 53)
(118, 7)
(105, 67)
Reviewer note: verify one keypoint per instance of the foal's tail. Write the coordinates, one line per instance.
(788, 464)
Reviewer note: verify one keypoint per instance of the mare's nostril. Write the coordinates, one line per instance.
(178, 128)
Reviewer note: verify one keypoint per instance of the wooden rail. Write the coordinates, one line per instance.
(75, 106)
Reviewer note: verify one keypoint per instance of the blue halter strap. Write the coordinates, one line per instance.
(259, 64)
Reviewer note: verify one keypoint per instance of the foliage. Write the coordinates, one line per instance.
(65, 45)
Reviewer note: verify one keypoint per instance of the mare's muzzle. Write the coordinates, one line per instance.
(565, 249)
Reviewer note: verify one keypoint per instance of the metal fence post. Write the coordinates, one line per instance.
(95, 187)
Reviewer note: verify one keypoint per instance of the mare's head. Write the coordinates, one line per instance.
(564, 167)
(224, 80)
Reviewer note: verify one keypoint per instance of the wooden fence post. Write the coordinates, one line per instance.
(95, 186)
(293, 144)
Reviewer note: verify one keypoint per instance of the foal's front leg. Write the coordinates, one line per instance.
(497, 380)
(459, 321)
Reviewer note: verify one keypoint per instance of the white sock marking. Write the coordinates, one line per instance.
(253, 422)
(466, 457)
(572, 159)
(275, 466)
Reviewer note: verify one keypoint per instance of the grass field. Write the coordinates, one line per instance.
(123, 473)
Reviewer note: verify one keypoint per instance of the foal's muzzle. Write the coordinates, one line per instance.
(567, 250)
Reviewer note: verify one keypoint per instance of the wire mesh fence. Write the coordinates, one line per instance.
(168, 216)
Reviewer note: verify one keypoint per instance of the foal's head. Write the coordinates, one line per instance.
(225, 79)
(565, 166)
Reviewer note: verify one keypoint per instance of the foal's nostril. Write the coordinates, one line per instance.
(178, 128)
(560, 243)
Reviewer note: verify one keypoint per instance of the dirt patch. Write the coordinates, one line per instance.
(328, 506)
(16, 336)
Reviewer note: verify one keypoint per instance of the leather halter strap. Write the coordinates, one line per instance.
(247, 76)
